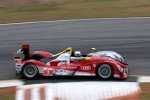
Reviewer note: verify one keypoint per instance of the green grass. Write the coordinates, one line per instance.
(85, 9)
(145, 91)
(7, 94)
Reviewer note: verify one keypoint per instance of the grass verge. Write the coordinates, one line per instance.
(85, 9)
(7, 93)
(145, 91)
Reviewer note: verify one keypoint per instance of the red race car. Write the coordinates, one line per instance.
(104, 64)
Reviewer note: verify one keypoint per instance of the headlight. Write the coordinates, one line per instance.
(119, 68)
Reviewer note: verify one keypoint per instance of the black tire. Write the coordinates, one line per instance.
(104, 71)
(30, 71)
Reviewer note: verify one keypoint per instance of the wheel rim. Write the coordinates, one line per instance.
(104, 71)
(30, 71)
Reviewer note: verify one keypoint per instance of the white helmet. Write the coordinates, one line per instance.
(77, 53)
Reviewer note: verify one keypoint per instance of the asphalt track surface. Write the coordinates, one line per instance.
(130, 37)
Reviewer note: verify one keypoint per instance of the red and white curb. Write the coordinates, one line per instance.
(78, 90)
(74, 90)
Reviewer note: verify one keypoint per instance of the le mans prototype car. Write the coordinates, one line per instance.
(104, 64)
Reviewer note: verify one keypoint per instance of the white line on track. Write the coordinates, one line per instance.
(72, 20)
(10, 83)
(144, 79)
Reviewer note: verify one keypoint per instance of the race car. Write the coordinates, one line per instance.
(104, 64)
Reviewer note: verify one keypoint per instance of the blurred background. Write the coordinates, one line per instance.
(35, 10)
(5, 3)
(127, 36)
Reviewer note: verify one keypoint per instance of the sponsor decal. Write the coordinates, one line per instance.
(62, 71)
(94, 65)
(54, 71)
(64, 61)
(63, 67)
(85, 67)
(61, 63)
(48, 72)
(68, 67)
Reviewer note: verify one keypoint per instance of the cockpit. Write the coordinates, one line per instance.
(61, 56)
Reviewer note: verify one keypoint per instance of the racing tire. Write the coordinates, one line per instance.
(104, 71)
(30, 71)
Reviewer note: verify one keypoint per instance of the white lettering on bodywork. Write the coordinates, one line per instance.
(85, 67)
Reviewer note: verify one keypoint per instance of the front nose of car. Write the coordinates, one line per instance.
(122, 67)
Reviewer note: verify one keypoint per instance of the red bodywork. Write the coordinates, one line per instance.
(86, 66)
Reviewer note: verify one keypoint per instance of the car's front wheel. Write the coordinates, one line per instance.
(30, 70)
(104, 71)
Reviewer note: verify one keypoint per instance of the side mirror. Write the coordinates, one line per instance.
(93, 49)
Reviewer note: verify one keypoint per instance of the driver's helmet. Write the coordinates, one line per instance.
(77, 53)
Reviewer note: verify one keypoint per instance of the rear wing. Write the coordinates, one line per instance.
(22, 54)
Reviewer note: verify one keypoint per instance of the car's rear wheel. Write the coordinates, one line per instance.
(105, 71)
(30, 70)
